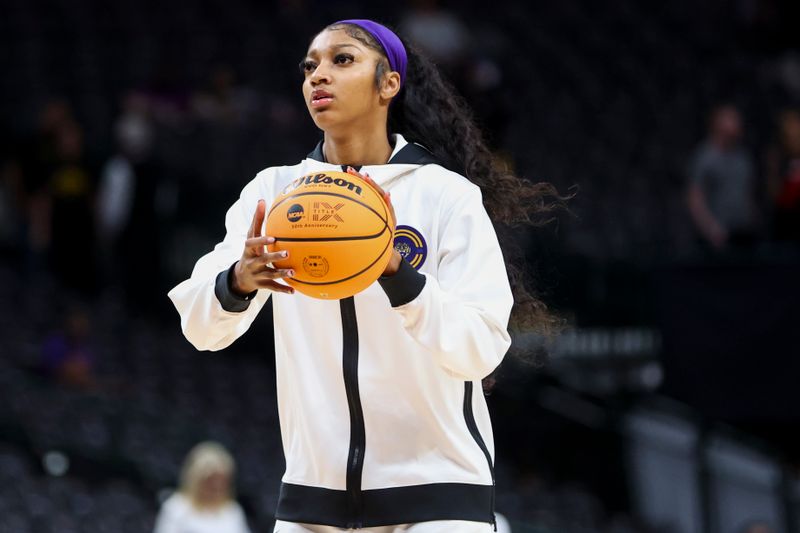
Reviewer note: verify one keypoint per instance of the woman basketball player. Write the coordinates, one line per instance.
(383, 423)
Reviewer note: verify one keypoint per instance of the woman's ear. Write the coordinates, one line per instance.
(390, 85)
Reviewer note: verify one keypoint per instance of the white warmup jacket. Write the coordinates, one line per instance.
(379, 395)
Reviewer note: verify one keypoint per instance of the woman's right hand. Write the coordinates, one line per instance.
(254, 271)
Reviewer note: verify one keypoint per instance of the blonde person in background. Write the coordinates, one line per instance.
(205, 501)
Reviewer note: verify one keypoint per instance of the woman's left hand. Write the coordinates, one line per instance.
(394, 261)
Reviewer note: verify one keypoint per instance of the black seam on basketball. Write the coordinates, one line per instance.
(391, 241)
(386, 211)
(384, 220)
(326, 239)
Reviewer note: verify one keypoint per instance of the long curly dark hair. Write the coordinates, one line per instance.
(429, 111)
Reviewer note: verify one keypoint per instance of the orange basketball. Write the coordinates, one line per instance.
(338, 232)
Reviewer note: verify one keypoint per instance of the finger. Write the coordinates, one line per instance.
(258, 219)
(271, 257)
(371, 182)
(354, 172)
(256, 242)
(275, 286)
(387, 198)
(365, 177)
(274, 273)
(368, 179)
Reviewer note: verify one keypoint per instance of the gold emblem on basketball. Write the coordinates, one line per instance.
(315, 265)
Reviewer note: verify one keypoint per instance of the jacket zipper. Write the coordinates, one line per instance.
(355, 456)
(469, 416)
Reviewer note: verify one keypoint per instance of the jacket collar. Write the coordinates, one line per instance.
(404, 153)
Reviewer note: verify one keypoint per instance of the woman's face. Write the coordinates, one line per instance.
(339, 85)
(214, 490)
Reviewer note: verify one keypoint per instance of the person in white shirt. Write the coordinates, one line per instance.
(205, 502)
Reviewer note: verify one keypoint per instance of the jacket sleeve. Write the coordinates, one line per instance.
(461, 314)
(211, 316)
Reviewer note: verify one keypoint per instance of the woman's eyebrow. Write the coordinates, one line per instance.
(343, 45)
(333, 47)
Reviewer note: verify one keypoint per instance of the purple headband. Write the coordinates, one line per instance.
(391, 43)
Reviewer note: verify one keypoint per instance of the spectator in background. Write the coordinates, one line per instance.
(205, 502)
(722, 194)
(224, 101)
(38, 158)
(438, 32)
(127, 211)
(168, 99)
(783, 179)
(226, 113)
(67, 355)
(69, 210)
(39, 153)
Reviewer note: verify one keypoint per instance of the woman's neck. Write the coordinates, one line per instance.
(357, 150)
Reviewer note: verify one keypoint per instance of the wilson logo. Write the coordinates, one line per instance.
(326, 180)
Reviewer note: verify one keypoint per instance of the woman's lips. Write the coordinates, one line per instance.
(321, 102)
(320, 98)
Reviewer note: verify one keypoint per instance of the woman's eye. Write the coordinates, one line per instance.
(307, 66)
(342, 59)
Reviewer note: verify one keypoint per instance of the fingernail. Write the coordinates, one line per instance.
(284, 254)
(270, 239)
(291, 273)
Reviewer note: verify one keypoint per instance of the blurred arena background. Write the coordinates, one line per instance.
(669, 404)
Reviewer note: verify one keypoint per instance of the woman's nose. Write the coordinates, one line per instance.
(320, 75)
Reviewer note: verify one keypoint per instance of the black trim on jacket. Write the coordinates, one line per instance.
(385, 507)
(410, 154)
(229, 300)
(404, 286)
(469, 417)
(358, 436)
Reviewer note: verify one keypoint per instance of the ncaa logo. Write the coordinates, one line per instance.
(295, 213)
(410, 243)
